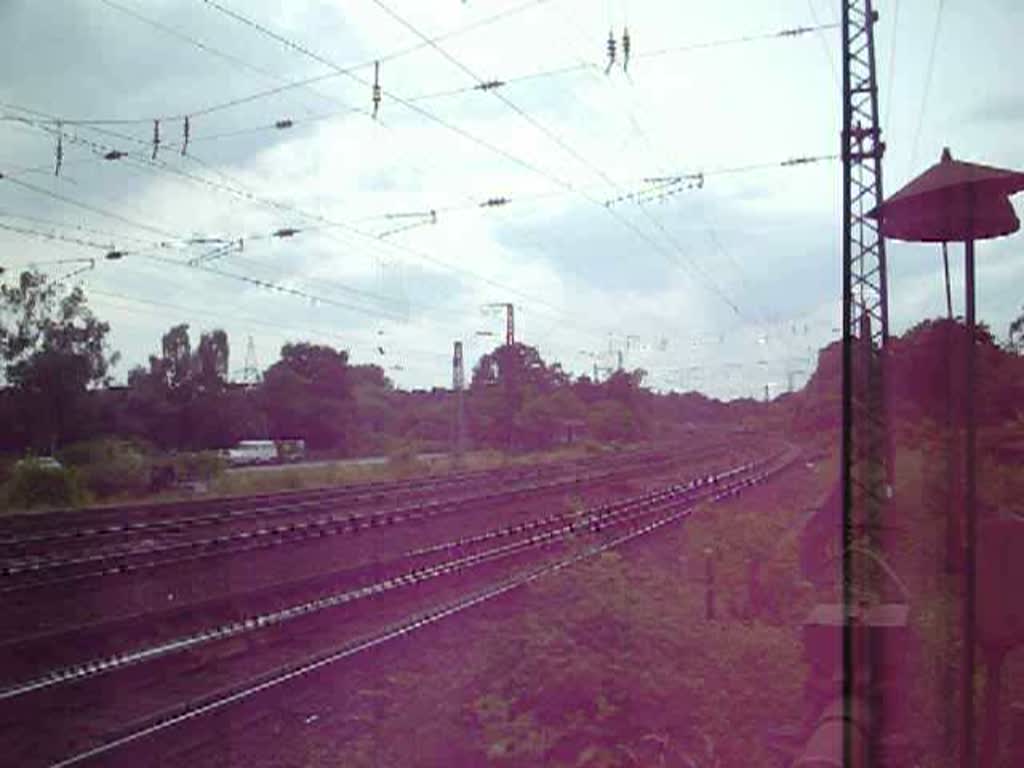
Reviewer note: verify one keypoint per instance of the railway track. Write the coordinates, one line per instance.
(19, 532)
(125, 547)
(252, 610)
(43, 608)
(279, 628)
(152, 554)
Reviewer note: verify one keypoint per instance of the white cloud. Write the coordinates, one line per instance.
(769, 240)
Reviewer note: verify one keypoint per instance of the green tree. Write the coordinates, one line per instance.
(611, 420)
(211, 361)
(377, 408)
(503, 381)
(307, 394)
(182, 399)
(53, 350)
(543, 418)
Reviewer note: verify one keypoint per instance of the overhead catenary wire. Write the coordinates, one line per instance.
(783, 33)
(227, 316)
(335, 224)
(267, 284)
(327, 224)
(696, 175)
(926, 90)
(485, 85)
(566, 147)
(248, 323)
(891, 76)
(202, 264)
(199, 44)
(294, 84)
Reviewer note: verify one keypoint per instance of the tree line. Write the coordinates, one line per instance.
(58, 391)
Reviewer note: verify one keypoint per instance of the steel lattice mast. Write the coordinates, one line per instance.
(866, 458)
(865, 285)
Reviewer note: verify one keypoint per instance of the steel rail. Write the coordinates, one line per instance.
(239, 692)
(229, 507)
(121, 562)
(594, 519)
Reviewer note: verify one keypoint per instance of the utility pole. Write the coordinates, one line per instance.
(867, 462)
(866, 448)
(458, 439)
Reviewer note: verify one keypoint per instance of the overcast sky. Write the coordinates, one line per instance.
(726, 288)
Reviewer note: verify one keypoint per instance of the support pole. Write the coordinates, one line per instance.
(967, 747)
(949, 293)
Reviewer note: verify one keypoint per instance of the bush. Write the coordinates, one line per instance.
(33, 485)
(402, 461)
(109, 466)
(203, 466)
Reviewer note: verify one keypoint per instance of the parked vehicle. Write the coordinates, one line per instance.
(249, 452)
(252, 452)
(40, 462)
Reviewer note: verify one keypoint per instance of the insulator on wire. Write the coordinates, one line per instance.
(115, 154)
(282, 124)
(795, 32)
(611, 51)
(490, 85)
(286, 232)
(156, 138)
(60, 150)
(187, 135)
(376, 89)
(494, 202)
(626, 45)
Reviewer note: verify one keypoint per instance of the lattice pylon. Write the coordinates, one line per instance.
(866, 448)
(867, 458)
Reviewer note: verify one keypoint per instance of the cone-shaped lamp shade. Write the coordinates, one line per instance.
(952, 201)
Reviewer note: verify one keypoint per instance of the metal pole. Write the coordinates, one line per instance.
(967, 749)
(949, 294)
(510, 325)
(846, 463)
